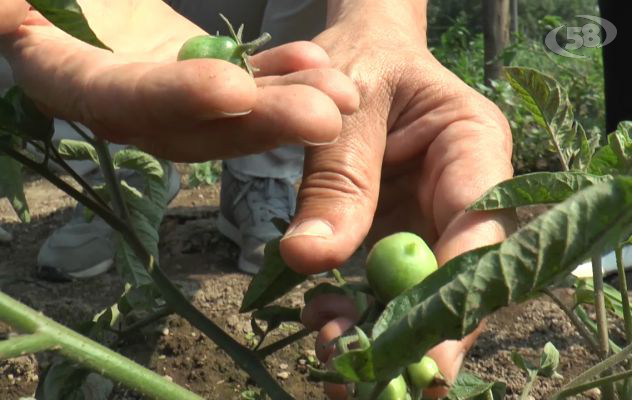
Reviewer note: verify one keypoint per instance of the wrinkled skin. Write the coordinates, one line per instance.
(422, 147)
(140, 95)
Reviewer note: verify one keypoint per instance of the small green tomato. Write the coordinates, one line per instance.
(423, 373)
(397, 263)
(209, 46)
(395, 390)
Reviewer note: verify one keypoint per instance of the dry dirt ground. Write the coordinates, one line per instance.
(203, 263)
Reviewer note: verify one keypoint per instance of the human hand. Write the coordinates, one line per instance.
(422, 147)
(138, 94)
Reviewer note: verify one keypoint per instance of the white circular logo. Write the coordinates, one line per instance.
(587, 36)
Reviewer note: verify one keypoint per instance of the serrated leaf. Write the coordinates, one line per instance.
(273, 281)
(146, 208)
(77, 150)
(452, 301)
(67, 16)
(616, 157)
(548, 103)
(470, 387)
(536, 188)
(586, 147)
(12, 187)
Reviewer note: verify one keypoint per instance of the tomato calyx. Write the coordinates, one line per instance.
(244, 50)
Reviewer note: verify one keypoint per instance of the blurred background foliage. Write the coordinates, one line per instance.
(455, 35)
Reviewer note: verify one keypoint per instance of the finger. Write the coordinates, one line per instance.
(327, 307)
(290, 57)
(325, 341)
(338, 195)
(449, 357)
(329, 81)
(12, 14)
(275, 121)
(336, 391)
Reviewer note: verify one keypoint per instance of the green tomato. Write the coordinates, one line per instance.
(397, 263)
(423, 373)
(208, 46)
(395, 390)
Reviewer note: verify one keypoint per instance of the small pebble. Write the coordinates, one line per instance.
(283, 375)
(167, 377)
(165, 332)
(283, 366)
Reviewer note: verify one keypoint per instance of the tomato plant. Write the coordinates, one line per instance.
(423, 373)
(397, 263)
(395, 390)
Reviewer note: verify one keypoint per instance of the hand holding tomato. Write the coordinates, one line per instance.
(183, 111)
(422, 147)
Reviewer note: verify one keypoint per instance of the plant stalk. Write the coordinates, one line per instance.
(89, 353)
(281, 343)
(25, 344)
(243, 357)
(533, 377)
(607, 389)
(625, 302)
(578, 389)
(579, 325)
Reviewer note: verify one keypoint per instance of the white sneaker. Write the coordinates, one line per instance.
(608, 264)
(84, 249)
(247, 207)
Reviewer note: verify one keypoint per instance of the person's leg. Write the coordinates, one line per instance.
(258, 188)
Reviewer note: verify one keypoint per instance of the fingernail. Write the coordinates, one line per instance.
(311, 227)
(235, 114)
(308, 143)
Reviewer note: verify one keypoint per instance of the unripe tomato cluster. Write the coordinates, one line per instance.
(395, 264)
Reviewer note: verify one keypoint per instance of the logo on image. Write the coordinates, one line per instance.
(577, 37)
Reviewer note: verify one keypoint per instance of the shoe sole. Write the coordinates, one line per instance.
(229, 230)
(56, 275)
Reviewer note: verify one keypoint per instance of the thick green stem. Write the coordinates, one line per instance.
(90, 354)
(243, 357)
(602, 321)
(25, 344)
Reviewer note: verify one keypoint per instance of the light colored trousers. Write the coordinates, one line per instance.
(285, 20)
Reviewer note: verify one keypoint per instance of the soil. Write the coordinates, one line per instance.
(199, 259)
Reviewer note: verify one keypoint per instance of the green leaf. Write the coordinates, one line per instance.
(549, 361)
(273, 281)
(470, 387)
(64, 380)
(12, 187)
(587, 145)
(29, 121)
(67, 16)
(585, 294)
(206, 173)
(77, 150)
(522, 363)
(146, 208)
(548, 103)
(536, 188)
(616, 157)
(452, 301)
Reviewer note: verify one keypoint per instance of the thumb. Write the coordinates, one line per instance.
(12, 14)
(338, 196)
